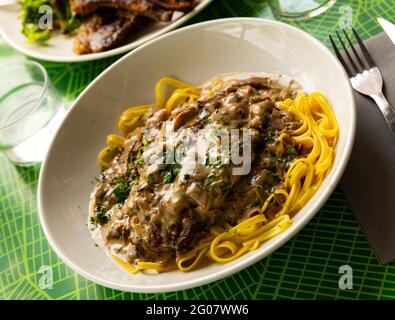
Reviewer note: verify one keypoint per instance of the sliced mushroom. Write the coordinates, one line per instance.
(156, 118)
(260, 178)
(173, 200)
(114, 233)
(186, 234)
(198, 195)
(183, 117)
(131, 253)
(101, 189)
(251, 212)
(258, 111)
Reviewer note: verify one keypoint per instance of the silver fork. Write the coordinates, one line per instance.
(365, 76)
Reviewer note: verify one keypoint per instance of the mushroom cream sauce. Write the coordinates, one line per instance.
(153, 215)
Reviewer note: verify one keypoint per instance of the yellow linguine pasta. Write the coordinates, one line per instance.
(182, 93)
(131, 118)
(317, 136)
(141, 266)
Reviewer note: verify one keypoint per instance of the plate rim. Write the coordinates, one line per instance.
(280, 239)
(106, 54)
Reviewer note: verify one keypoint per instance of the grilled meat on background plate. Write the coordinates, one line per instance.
(104, 31)
(108, 22)
(161, 10)
(100, 24)
(179, 5)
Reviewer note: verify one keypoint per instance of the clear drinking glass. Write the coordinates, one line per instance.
(29, 112)
(300, 9)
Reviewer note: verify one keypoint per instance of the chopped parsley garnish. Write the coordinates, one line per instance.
(132, 158)
(216, 164)
(221, 121)
(101, 216)
(267, 192)
(136, 159)
(207, 121)
(145, 142)
(139, 162)
(275, 159)
(268, 139)
(292, 152)
(254, 204)
(121, 190)
(226, 186)
(169, 172)
(132, 174)
(272, 174)
(150, 178)
(209, 182)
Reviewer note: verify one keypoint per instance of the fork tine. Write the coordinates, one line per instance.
(365, 51)
(347, 53)
(356, 54)
(339, 56)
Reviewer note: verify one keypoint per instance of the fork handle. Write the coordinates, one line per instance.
(386, 109)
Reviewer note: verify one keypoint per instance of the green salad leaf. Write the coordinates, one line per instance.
(63, 18)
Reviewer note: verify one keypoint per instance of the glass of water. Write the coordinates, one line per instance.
(300, 9)
(29, 112)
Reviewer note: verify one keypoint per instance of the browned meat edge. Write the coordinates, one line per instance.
(141, 7)
(102, 32)
(177, 5)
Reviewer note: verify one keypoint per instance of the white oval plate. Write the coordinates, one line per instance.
(60, 47)
(193, 54)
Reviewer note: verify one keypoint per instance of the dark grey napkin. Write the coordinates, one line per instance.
(369, 180)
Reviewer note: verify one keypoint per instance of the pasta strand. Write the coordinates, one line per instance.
(316, 136)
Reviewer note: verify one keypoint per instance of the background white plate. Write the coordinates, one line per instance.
(193, 54)
(60, 47)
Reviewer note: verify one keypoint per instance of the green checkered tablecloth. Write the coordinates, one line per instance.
(306, 267)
